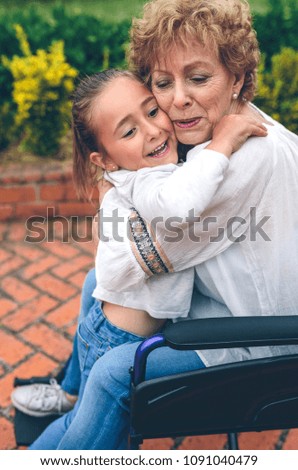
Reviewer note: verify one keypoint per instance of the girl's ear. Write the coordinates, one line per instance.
(99, 159)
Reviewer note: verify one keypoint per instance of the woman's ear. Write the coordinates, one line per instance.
(238, 83)
(104, 162)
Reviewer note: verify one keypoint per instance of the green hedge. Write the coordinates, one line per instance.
(277, 28)
(88, 40)
(91, 44)
(278, 88)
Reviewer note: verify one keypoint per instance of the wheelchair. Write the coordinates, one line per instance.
(255, 395)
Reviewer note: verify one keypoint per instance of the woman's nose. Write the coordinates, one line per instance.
(181, 97)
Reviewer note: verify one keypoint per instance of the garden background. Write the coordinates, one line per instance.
(45, 46)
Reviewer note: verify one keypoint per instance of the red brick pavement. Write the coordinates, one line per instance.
(40, 290)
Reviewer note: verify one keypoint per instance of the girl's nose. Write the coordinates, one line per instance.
(152, 131)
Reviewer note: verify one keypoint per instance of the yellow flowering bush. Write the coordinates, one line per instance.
(278, 88)
(41, 88)
(8, 130)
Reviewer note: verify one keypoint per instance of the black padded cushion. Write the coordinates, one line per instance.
(230, 332)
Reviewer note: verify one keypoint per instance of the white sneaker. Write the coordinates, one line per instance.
(41, 399)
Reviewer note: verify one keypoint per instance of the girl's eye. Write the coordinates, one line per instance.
(153, 112)
(129, 133)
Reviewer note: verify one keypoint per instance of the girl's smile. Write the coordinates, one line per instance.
(160, 151)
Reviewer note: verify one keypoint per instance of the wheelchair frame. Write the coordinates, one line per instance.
(256, 395)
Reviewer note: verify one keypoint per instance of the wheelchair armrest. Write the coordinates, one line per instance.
(232, 332)
(216, 333)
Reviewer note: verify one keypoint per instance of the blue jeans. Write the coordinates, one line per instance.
(95, 336)
(100, 418)
(72, 379)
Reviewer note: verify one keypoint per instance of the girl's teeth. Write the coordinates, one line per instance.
(158, 150)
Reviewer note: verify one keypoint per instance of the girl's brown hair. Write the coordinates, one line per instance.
(85, 140)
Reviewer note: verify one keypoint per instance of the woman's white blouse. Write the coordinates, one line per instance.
(164, 195)
(246, 251)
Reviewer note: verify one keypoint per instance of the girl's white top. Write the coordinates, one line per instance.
(165, 195)
(246, 260)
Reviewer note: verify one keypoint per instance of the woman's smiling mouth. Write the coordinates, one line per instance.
(159, 151)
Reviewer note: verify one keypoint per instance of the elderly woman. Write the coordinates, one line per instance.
(199, 57)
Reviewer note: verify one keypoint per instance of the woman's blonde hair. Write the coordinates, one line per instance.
(223, 25)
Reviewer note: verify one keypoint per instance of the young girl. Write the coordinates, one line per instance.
(118, 127)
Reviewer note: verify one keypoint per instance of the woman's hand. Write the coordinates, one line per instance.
(233, 130)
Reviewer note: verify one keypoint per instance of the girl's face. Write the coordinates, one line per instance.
(133, 131)
(195, 90)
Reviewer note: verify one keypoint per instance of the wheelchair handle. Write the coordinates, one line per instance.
(142, 353)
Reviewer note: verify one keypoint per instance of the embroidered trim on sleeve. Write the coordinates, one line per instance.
(143, 247)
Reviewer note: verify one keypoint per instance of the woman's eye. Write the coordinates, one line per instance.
(153, 112)
(199, 79)
(129, 133)
(162, 84)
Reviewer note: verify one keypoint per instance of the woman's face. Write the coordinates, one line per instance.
(195, 90)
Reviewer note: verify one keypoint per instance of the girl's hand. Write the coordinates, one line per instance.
(233, 130)
(103, 187)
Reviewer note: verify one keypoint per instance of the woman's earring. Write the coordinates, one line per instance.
(234, 96)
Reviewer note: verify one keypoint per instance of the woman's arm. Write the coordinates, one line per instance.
(249, 172)
(228, 216)
(190, 189)
(170, 192)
